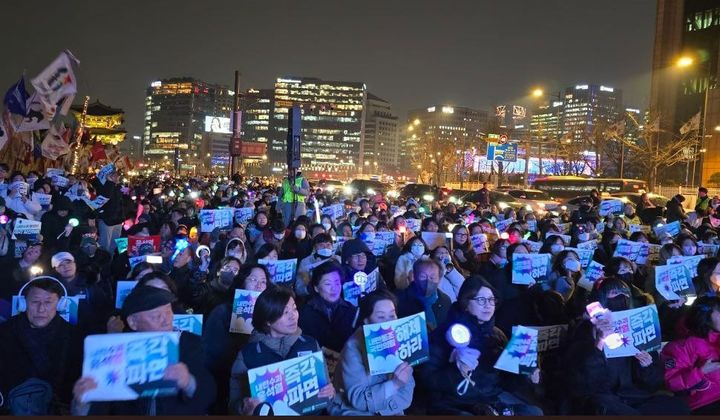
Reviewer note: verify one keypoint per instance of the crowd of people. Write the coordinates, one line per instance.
(78, 253)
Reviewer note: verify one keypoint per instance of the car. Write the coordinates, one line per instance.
(540, 201)
(364, 188)
(657, 199)
(424, 192)
(501, 199)
(330, 185)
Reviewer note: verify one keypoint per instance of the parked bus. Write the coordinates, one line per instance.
(572, 186)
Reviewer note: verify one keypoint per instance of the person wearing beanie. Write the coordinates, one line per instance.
(56, 227)
(149, 309)
(93, 262)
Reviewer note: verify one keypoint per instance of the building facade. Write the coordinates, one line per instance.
(175, 119)
(585, 106)
(333, 125)
(381, 147)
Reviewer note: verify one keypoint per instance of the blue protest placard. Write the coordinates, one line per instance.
(292, 386)
(413, 225)
(124, 287)
(529, 268)
(691, 263)
(672, 229)
(122, 244)
(674, 281)
(242, 310)
(217, 218)
(192, 323)
(634, 251)
(129, 366)
(640, 330)
(388, 344)
(480, 243)
(281, 271)
(520, 353)
(593, 273)
(709, 250)
(360, 285)
(609, 207)
(104, 172)
(243, 215)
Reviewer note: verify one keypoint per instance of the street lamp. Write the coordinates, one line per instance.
(685, 61)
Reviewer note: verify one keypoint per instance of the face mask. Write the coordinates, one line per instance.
(327, 226)
(572, 265)
(689, 250)
(279, 236)
(300, 234)
(325, 252)
(618, 303)
(626, 277)
(582, 237)
(556, 248)
(417, 250)
(226, 278)
(236, 254)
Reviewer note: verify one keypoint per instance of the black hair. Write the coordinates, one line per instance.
(608, 285)
(326, 268)
(322, 238)
(425, 262)
(367, 303)
(637, 235)
(705, 268)
(139, 268)
(265, 250)
(227, 260)
(699, 316)
(270, 306)
(46, 284)
(157, 274)
(558, 265)
(244, 273)
(426, 222)
(549, 242)
(612, 267)
(469, 289)
(408, 245)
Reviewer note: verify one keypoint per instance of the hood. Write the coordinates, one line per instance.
(280, 345)
(354, 246)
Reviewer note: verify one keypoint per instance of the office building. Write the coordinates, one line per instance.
(686, 69)
(333, 120)
(513, 120)
(381, 146)
(585, 106)
(175, 118)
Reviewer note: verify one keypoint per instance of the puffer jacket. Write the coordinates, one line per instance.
(684, 360)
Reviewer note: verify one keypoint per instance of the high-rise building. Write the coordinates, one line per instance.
(545, 121)
(257, 107)
(444, 127)
(381, 146)
(584, 106)
(688, 29)
(333, 120)
(514, 119)
(175, 118)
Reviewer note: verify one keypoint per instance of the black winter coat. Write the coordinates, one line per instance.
(330, 327)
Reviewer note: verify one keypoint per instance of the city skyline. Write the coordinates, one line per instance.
(399, 50)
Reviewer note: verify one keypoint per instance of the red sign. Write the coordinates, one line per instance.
(143, 245)
(249, 148)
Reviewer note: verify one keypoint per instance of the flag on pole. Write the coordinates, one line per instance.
(16, 98)
(35, 117)
(54, 146)
(56, 82)
(692, 124)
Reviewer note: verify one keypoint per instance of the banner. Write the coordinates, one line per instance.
(35, 118)
(593, 273)
(353, 290)
(218, 218)
(691, 263)
(709, 250)
(53, 146)
(640, 329)
(611, 207)
(129, 366)
(480, 243)
(192, 323)
(70, 314)
(281, 271)
(529, 268)
(672, 229)
(335, 211)
(433, 239)
(520, 353)
(291, 387)
(388, 344)
(56, 82)
(674, 281)
(585, 255)
(242, 310)
(26, 229)
(143, 245)
(634, 251)
(124, 287)
(243, 215)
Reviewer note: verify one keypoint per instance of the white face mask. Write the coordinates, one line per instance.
(572, 265)
(279, 236)
(417, 250)
(556, 248)
(300, 234)
(582, 237)
(327, 226)
(325, 252)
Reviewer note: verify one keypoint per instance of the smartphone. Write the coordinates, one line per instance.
(154, 259)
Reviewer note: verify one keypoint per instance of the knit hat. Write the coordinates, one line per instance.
(145, 298)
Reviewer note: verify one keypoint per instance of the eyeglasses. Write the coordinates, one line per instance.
(483, 301)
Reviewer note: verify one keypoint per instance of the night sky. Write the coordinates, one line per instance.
(475, 53)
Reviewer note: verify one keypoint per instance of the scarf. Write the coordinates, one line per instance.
(428, 302)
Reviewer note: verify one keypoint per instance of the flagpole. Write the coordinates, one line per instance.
(76, 157)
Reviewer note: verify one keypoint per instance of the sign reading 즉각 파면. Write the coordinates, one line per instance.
(674, 281)
(217, 218)
(281, 271)
(129, 366)
(388, 344)
(520, 354)
(691, 263)
(292, 386)
(640, 330)
(192, 323)
(242, 310)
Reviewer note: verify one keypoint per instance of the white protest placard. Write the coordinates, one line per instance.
(61, 181)
(42, 199)
(480, 243)
(691, 263)
(640, 330)
(281, 271)
(128, 366)
(709, 250)
(634, 251)
(520, 353)
(357, 287)
(216, 218)
(585, 255)
(611, 207)
(433, 239)
(335, 211)
(192, 323)
(390, 343)
(591, 244)
(124, 287)
(413, 225)
(243, 215)
(529, 268)
(673, 281)
(51, 172)
(26, 229)
(633, 227)
(95, 204)
(242, 310)
(104, 172)
(672, 229)
(502, 225)
(593, 273)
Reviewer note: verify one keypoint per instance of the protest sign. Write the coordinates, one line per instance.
(20, 248)
(69, 314)
(143, 245)
(480, 243)
(291, 387)
(593, 273)
(632, 228)
(122, 244)
(192, 323)
(565, 228)
(654, 253)
(353, 290)
(532, 225)
(520, 353)
(413, 225)
(634, 251)
(433, 239)
(709, 250)
(42, 199)
(51, 172)
(691, 263)
(591, 244)
(565, 238)
(95, 204)
(550, 337)
(502, 225)
(335, 211)
(532, 246)
(674, 281)
(609, 207)
(104, 172)
(61, 181)
(149, 258)
(388, 344)
(124, 287)
(242, 310)
(585, 255)
(529, 268)
(129, 366)
(217, 218)
(243, 215)
(281, 271)
(26, 229)
(3, 190)
(672, 229)
(640, 330)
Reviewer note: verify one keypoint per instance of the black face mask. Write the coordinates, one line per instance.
(618, 303)
(627, 278)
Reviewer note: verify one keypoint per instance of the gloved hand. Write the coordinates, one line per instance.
(465, 358)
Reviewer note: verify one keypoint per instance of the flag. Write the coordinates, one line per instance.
(16, 98)
(97, 152)
(56, 82)
(54, 146)
(35, 117)
(112, 152)
(692, 124)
